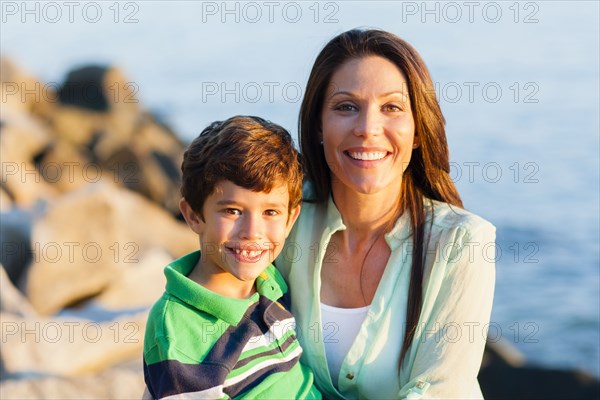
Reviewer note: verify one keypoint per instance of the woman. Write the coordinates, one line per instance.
(392, 281)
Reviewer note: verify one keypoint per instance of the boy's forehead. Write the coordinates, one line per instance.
(279, 190)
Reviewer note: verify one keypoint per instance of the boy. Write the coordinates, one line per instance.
(219, 330)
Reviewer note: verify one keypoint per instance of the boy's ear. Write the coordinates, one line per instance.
(291, 219)
(193, 220)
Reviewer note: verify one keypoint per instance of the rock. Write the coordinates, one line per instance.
(98, 88)
(78, 126)
(15, 239)
(149, 165)
(68, 346)
(115, 383)
(12, 300)
(89, 236)
(22, 139)
(103, 97)
(505, 376)
(6, 202)
(139, 152)
(22, 92)
(125, 290)
(66, 168)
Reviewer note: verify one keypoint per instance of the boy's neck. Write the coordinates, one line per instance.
(222, 283)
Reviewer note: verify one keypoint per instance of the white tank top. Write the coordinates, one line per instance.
(340, 327)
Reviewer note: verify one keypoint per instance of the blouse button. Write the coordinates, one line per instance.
(420, 384)
(350, 376)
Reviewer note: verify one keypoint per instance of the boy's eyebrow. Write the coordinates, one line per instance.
(227, 202)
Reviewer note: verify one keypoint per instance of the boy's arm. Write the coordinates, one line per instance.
(169, 372)
(146, 395)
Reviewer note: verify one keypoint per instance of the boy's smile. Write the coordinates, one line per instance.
(241, 233)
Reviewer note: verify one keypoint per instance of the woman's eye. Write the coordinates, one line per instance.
(345, 107)
(392, 108)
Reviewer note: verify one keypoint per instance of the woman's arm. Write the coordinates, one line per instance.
(450, 339)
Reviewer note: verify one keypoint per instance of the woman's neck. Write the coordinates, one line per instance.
(365, 215)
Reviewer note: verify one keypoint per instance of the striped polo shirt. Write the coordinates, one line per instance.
(199, 344)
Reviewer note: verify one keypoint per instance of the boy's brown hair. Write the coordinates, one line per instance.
(249, 151)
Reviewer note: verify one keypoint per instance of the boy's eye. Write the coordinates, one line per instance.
(232, 211)
(271, 212)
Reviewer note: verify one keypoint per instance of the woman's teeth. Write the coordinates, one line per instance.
(367, 156)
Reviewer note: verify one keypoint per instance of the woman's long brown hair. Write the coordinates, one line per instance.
(428, 173)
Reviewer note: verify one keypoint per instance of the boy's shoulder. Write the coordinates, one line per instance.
(272, 274)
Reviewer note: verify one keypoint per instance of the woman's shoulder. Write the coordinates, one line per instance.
(310, 202)
(446, 216)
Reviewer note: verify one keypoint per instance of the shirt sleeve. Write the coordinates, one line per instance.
(451, 336)
(170, 374)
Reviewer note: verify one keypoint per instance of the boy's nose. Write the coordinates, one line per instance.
(251, 229)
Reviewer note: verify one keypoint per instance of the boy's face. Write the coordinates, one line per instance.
(242, 232)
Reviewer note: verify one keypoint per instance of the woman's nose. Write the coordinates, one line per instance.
(369, 122)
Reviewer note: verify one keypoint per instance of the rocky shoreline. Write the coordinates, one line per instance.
(88, 204)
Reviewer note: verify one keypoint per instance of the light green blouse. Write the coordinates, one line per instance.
(444, 358)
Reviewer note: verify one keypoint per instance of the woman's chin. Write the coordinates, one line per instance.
(369, 187)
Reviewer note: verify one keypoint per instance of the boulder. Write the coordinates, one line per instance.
(138, 285)
(67, 168)
(505, 375)
(103, 100)
(12, 300)
(15, 240)
(150, 164)
(23, 92)
(22, 140)
(138, 151)
(88, 237)
(78, 126)
(114, 383)
(6, 202)
(68, 346)
(99, 88)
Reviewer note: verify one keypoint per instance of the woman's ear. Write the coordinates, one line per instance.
(193, 220)
(416, 142)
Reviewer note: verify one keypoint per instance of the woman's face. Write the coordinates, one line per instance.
(367, 126)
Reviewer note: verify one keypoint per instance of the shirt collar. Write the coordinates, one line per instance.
(394, 238)
(225, 308)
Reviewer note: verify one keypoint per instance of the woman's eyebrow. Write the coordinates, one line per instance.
(400, 92)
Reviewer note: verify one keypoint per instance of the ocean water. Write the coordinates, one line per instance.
(518, 83)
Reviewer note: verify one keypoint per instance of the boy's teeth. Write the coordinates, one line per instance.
(246, 253)
(375, 155)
